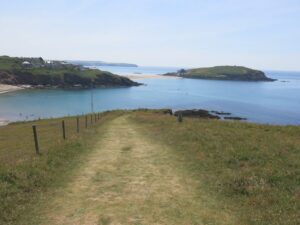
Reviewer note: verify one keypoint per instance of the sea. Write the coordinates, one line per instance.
(276, 103)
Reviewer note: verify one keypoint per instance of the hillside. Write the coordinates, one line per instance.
(38, 72)
(143, 167)
(238, 73)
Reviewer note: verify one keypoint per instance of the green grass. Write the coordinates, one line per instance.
(254, 170)
(12, 64)
(24, 176)
(62, 75)
(246, 171)
(221, 70)
(8, 63)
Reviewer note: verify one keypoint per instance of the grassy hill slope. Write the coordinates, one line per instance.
(200, 171)
(13, 71)
(224, 73)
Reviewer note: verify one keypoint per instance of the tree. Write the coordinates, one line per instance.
(181, 72)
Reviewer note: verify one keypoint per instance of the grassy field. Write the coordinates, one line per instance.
(24, 176)
(144, 167)
(254, 170)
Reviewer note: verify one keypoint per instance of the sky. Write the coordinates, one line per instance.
(263, 34)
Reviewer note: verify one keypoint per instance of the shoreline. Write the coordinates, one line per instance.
(4, 122)
(187, 113)
(5, 88)
(145, 76)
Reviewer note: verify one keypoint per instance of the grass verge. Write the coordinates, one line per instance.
(253, 170)
(25, 177)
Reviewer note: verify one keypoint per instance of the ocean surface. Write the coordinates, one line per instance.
(263, 102)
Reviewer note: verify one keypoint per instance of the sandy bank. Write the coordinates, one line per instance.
(144, 76)
(3, 122)
(4, 88)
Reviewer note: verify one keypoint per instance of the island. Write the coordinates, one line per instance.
(37, 72)
(235, 73)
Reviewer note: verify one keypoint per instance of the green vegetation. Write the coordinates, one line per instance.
(224, 73)
(253, 170)
(36, 71)
(25, 177)
(143, 167)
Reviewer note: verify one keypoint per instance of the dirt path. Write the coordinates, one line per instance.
(130, 180)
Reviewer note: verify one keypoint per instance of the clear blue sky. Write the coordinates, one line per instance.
(263, 34)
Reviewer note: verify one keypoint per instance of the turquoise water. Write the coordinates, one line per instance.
(136, 70)
(264, 102)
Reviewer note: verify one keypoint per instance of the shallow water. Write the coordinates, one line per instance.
(264, 102)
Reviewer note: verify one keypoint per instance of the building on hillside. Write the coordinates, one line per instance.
(26, 64)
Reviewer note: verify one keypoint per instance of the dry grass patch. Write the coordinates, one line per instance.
(129, 180)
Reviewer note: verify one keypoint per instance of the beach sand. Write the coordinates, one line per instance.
(3, 122)
(4, 88)
(144, 76)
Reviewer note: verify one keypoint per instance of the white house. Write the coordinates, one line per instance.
(26, 64)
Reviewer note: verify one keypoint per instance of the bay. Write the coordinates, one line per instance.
(263, 102)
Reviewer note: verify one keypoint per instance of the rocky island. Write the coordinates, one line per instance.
(38, 72)
(236, 73)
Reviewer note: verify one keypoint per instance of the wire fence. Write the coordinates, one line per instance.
(23, 141)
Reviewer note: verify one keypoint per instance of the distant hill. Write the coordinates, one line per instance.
(99, 63)
(238, 73)
(38, 72)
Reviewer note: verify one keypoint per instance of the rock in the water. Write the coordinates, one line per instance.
(196, 113)
(234, 118)
(221, 113)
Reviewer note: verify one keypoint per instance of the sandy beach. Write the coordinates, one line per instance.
(144, 76)
(3, 122)
(4, 88)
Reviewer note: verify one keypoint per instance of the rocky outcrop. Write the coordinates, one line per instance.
(234, 118)
(196, 113)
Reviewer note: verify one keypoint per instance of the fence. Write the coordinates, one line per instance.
(65, 129)
(21, 141)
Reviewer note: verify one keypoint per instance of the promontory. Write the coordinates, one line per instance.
(38, 72)
(237, 73)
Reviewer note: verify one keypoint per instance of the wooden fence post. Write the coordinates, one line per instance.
(36, 142)
(86, 121)
(179, 117)
(95, 118)
(77, 119)
(91, 118)
(63, 129)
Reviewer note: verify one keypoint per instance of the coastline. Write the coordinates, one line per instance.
(3, 122)
(144, 76)
(4, 88)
